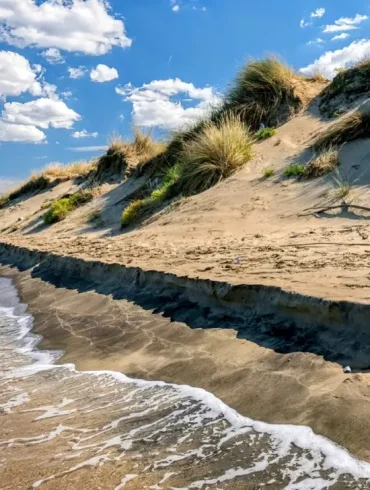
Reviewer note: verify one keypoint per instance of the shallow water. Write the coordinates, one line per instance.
(64, 429)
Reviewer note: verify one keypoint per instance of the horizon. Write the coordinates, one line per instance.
(68, 84)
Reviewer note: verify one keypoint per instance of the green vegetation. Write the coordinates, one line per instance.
(268, 172)
(136, 209)
(296, 170)
(352, 127)
(60, 209)
(322, 164)
(265, 133)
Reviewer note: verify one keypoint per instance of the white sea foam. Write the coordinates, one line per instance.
(197, 409)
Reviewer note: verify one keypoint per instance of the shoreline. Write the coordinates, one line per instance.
(142, 335)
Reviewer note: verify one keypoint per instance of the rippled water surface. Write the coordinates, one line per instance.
(63, 429)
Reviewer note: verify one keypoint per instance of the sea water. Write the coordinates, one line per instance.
(61, 428)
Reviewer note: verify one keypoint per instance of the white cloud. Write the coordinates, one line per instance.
(53, 56)
(303, 23)
(176, 8)
(77, 72)
(17, 76)
(331, 61)
(20, 133)
(84, 26)
(316, 41)
(317, 14)
(84, 134)
(346, 23)
(43, 113)
(152, 104)
(102, 73)
(344, 35)
(88, 148)
(320, 12)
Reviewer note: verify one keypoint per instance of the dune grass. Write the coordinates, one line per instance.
(60, 209)
(137, 208)
(323, 163)
(296, 170)
(342, 185)
(352, 127)
(260, 88)
(51, 175)
(122, 155)
(217, 152)
(265, 133)
(268, 172)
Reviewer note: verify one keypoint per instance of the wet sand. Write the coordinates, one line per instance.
(99, 333)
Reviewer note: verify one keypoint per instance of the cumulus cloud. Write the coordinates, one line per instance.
(102, 73)
(78, 72)
(344, 35)
(331, 61)
(42, 113)
(320, 12)
(20, 133)
(84, 26)
(53, 56)
(17, 75)
(84, 134)
(153, 103)
(346, 23)
(176, 8)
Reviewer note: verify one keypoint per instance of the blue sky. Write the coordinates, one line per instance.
(73, 72)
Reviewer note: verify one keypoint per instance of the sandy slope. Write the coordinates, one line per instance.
(246, 229)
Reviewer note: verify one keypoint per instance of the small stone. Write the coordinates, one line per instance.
(347, 370)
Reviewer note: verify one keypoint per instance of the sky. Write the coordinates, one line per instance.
(75, 72)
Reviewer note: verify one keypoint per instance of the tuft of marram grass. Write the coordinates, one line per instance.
(68, 171)
(136, 209)
(342, 185)
(60, 209)
(48, 177)
(260, 88)
(296, 170)
(122, 154)
(268, 172)
(352, 127)
(323, 163)
(217, 152)
(265, 133)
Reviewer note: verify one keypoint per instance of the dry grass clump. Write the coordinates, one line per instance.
(317, 77)
(36, 183)
(69, 171)
(48, 177)
(218, 151)
(342, 185)
(122, 155)
(60, 209)
(322, 164)
(260, 89)
(353, 127)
